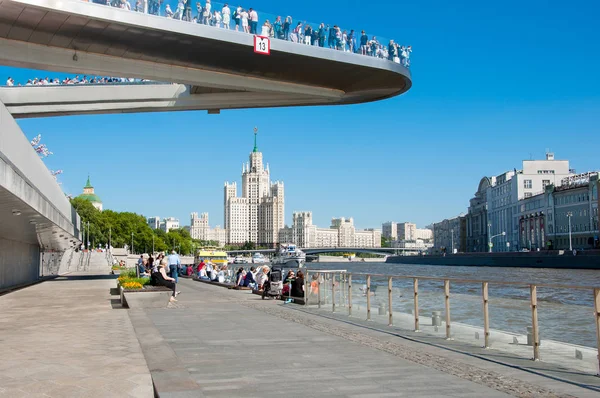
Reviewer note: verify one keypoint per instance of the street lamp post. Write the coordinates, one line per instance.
(152, 243)
(490, 237)
(132, 243)
(452, 236)
(88, 236)
(570, 214)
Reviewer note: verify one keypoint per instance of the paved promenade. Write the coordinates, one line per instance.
(62, 338)
(220, 343)
(68, 338)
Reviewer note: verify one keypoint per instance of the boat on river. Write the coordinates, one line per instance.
(290, 256)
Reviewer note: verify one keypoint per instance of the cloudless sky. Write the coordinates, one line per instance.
(494, 83)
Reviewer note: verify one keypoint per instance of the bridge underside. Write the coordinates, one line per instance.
(68, 100)
(86, 38)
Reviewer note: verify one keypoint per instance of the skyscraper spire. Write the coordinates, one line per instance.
(255, 133)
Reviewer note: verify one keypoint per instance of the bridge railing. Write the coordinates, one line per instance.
(555, 323)
(275, 26)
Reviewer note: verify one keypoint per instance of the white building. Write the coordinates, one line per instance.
(423, 234)
(505, 191)
(200, 229)
(169, 223)
(407, 231)
(258, 215)
(389, 230)
(342, 233)
(154, 222)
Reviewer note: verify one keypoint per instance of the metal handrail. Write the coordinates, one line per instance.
(441, 279)
(346, 282)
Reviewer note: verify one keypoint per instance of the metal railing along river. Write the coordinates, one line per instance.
(360, 295)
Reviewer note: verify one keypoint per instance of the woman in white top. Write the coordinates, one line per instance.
(218, 19)
(261, 278)
(266, 29)
(244, 18)
(226, 12)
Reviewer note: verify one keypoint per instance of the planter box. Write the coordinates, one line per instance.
(155, 298)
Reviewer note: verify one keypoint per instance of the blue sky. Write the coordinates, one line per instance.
(494, 83)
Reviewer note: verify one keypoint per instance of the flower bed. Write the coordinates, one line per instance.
(138, 293)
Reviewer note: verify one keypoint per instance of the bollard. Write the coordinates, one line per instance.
(436, 318)
(381, 309)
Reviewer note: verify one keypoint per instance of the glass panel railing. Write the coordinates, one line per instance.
(281, 27)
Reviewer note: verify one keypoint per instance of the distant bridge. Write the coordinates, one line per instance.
(312, 251)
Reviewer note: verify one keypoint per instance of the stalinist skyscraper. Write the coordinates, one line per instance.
(258, 215)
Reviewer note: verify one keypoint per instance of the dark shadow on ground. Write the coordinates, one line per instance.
(116, 304)
(82, 278)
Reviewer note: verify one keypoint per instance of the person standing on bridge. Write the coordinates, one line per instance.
(188, 11)
(253, 21)
(174, 263)
(226, 12)
(244, 17)
(206, 13)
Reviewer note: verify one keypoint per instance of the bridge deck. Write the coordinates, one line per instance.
(81, 37)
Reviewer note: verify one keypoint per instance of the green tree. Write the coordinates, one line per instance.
(385, 242)
(249, 246)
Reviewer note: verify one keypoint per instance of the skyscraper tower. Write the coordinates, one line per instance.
(258, 214)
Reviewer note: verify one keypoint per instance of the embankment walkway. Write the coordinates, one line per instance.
(63, 338)
(216, 342)
(68, 338)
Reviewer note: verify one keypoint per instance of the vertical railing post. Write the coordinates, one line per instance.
(447, 294)
(349, 294)
(368, 297)
(390, 312)
(597, 316)
(332, 292)
(319, 290)
(416, 309)
(306, 279)
(342, 290)
(534, 322)
(486, 315)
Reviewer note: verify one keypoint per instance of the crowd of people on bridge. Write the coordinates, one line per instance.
(46, 81)
(247, 20)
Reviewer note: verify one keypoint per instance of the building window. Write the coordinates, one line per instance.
(527, 184)
(528, 194)
(545, 182)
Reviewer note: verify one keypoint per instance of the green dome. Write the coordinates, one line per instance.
(92, 197)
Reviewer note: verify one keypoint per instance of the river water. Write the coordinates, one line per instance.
(564, 315)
